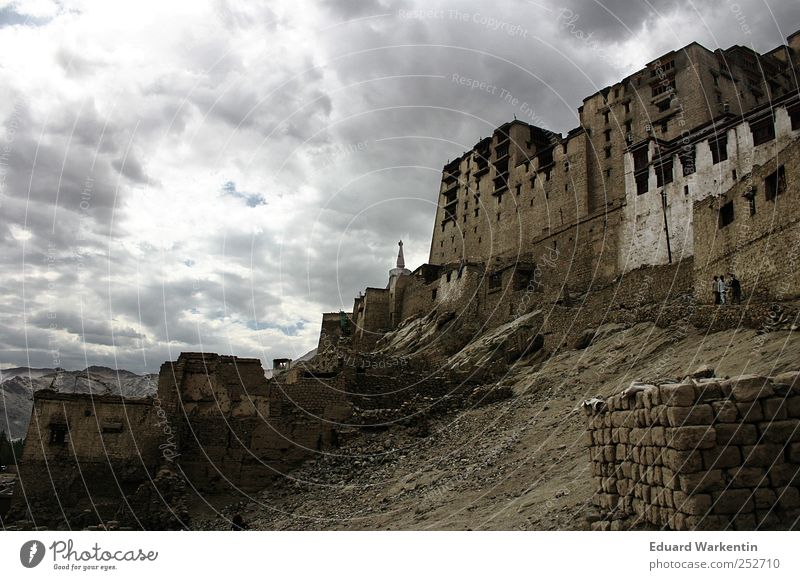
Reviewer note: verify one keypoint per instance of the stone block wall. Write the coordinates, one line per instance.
(713, 454)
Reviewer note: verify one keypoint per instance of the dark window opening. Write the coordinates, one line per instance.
(726, 215)
(687, 160)
(664, 173)
(663, 105)
(608, 152)
(663, 87)
(627, 107)
(522, 278)
(733, 174)
(112, 427)
(640, 159)
(775, 184)
(433, 294)
(495, 280)
(58, 434)
(641, 183)
(607, 133)
(794, 115)
(606, 117)
(449, 276)
(763, 131)
(719, 149)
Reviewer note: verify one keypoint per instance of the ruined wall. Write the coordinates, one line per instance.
(304, 418)
(371, 318)
(236, 429)
(761, 243)
(705, 454)
(85, 452)
(217, 402)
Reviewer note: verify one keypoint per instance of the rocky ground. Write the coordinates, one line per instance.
(517, 464)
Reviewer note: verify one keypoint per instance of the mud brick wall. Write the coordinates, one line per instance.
(109, 446)
(711, 454)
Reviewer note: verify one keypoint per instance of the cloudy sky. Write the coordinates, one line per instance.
(213, 176)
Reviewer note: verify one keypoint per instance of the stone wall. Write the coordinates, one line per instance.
(85, 453)
(761, 244)
(711, 453)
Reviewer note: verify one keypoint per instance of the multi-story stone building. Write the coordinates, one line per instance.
(527, 208)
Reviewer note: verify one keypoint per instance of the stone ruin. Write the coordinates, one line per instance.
(704, 454)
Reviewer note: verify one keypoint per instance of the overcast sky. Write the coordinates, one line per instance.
(213, 176)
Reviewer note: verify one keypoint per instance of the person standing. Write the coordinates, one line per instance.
(736, 289)
(715, 288)
(723, 289)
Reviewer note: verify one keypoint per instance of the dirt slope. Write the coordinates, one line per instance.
(514, 465)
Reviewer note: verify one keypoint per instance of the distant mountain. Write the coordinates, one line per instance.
(17, 386)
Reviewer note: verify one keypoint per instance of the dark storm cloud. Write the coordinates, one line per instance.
(614, 20)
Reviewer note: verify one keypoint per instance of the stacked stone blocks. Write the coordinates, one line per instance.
(702, 454)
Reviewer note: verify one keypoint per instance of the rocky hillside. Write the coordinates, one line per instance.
(514, 464)
(19, 384)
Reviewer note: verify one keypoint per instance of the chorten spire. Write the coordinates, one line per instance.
(401, 263)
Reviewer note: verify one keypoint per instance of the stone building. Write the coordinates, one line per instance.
(528, 211)
(216, 420)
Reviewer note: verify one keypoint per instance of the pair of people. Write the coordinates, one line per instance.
(721, 288)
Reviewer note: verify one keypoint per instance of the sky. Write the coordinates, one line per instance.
(212, 176)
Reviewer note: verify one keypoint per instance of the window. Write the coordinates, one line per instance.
(477, 211)
(664, 173)
(58, 434)
(763, 131)
(433, 294)
(775, 184)
(608, 173)
(449, 276)
(640, 158)
(641, 183)
(628, 126)
(522, 278)
(605, 117)
(685, 190)
(663, 87)
(628, 107)
(726, 214)
(719, 149)
(607, 133)
(794, 115)
(608, 152)
(112, 427)
(751, 198)
(495, 280)
(663, 105)
(687, 159)
(518, 189)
